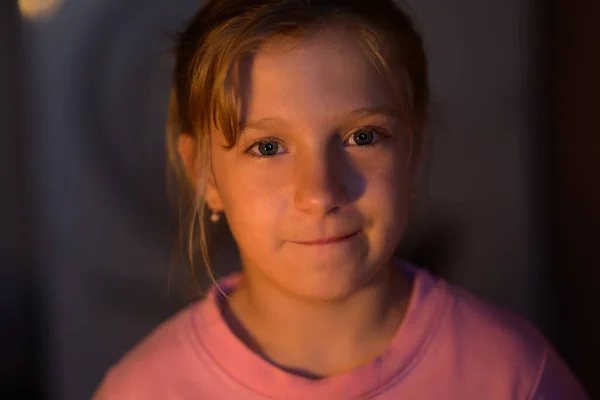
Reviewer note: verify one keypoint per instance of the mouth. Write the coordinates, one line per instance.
(330, 240)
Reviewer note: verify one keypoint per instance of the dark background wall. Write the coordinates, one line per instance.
(574, 190)
(19, 360)
(509, 206)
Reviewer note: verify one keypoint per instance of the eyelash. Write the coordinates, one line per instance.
(376, 130)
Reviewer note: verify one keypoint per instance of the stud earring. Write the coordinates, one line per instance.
(215, 216)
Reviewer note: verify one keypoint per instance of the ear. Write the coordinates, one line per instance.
(188, 152)
(212, 195)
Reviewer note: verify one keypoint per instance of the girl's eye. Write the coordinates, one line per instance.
(364, 137)
(265, 148)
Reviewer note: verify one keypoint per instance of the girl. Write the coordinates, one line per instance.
(301, 122)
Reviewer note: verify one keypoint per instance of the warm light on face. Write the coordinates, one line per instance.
(39, 9)
(312, 210)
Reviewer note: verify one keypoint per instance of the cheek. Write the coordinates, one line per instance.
(253, 198)
(262, 202)
(388, 182)
(386, 202)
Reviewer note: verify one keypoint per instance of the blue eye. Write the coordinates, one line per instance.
(265, 148)
(268, 148)
(364, 137)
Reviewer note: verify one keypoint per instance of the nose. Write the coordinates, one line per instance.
(321, 185)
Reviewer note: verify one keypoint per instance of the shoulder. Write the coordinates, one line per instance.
(485, 324)
(160, 361)
(475, 327)
(556, 381)
(499, 349)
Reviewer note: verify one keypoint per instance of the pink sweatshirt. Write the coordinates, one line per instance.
(450, 346)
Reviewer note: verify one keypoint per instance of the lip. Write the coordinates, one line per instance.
(321, 242)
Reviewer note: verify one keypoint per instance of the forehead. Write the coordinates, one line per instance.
(315, 78)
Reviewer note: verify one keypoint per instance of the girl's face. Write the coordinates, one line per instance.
(316, 191)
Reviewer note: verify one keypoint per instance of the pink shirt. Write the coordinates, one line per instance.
(450, 346)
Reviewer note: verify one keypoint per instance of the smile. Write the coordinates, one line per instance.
(326, 241)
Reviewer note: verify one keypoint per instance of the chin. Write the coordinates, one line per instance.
(327, 281)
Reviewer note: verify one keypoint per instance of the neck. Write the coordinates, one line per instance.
(319, 338)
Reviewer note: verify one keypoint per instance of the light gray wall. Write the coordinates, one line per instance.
(97, 81)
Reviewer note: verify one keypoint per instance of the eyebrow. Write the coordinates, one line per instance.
(357, 114)
(365, 112)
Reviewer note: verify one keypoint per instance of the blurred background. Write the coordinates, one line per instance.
(509, 205)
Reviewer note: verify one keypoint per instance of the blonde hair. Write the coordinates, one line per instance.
(205, 91)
